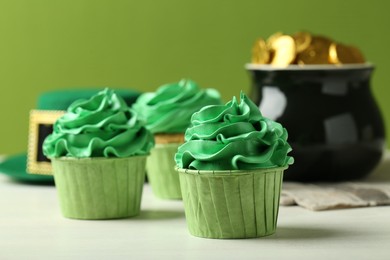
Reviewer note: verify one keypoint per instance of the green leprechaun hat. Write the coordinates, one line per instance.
(33, 166)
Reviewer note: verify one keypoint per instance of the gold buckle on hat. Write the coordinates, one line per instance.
(41, 125)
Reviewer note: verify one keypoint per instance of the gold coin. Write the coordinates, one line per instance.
(272, 38)
(357, 54)
(317, 52)
(284, 51)
(343, 54)
(302, 41)
(333, 58)
(260, 54)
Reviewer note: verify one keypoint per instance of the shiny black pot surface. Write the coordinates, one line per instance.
(335, 127)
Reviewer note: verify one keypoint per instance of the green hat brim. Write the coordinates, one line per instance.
(15, 167)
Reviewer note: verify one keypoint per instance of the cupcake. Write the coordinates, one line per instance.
(98, 151)
(231, 169)
(167, 113)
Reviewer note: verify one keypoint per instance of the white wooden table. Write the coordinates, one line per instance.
(32, 227)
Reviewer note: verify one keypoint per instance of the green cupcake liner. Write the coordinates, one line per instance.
(99, 188)
(231, 204)
(162, 176)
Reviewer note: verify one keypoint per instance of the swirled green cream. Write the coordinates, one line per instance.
(169, 109)
(234, 136)
(102, 126)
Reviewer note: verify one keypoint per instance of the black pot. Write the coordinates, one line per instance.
(335, 127)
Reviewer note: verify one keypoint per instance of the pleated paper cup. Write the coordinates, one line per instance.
(99, 188)
(161, 172)
(231, 204)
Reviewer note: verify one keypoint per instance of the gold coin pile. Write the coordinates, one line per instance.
(303, 48)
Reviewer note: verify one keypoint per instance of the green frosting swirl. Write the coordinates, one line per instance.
(233, 137)
(169, 109)
(102, 126)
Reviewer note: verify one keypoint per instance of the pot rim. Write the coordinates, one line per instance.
(295, 67)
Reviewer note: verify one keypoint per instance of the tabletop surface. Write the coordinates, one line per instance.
(32, 227)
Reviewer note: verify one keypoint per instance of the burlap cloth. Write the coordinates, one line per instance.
(373, 190)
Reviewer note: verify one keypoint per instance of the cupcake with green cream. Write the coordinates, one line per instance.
(98, 151)
(167, 113)
(231, 169)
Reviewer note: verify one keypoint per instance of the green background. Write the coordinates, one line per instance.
(53, 44)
